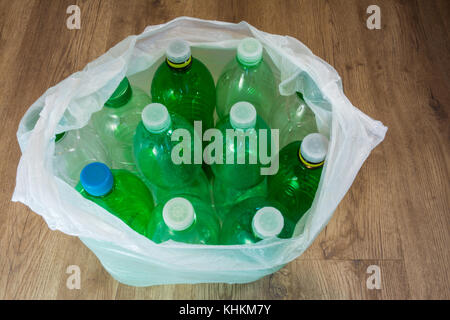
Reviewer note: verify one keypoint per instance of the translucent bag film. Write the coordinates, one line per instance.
(130, 257)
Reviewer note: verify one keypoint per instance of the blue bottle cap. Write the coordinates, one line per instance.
(97, 179)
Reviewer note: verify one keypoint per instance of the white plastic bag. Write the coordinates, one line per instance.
(130, 257)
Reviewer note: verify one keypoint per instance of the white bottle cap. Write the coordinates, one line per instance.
(314, 148)
(267, 222)
(249, 51)
(156, 118)
(178, 214)
(178, 51)
(243, 115)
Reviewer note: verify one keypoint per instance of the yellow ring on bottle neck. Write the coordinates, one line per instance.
(179, 65)
(308, 164)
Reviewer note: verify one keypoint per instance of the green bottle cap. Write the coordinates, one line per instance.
(59, 136)
(121, 96)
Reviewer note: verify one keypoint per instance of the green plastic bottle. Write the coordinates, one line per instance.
(185, 86)
(225, 197)
(184, 219)
(249, 78)
(243, 168)
(120, 192)
(116, 123)
(255, 219)
(293, 118)
(75, 149)
(298, 177)
(158, 158)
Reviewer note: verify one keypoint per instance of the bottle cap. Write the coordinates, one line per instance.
(121, 96)
(249, 51)
(59, 136)
(243, 115)
(156, 118)
(96, 179)
(314, 148)
(178, 51)
(267, 222)
(178, 214)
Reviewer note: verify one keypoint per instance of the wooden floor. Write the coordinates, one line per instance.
(396, 215)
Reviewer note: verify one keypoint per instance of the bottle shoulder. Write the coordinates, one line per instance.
(289, 163)
(130, 189)
(200, 68)
(139, 99)
(234, 71)
(69, 142)
(134, 106)
(292, 173)
(144, 139)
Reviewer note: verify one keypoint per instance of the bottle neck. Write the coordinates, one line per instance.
(184, 229)
(102, 196)
(242, 129)
(181, 67)
(307, 164)
(162, 131)
(247, 66)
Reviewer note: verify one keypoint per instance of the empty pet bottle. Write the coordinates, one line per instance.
(184, 219)
(247, 77)
(255, 219)
(75, 149)
(116, 123)
(120, 192)
(297, 179)
(240, 166)
(163, 162)
(184, 85)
